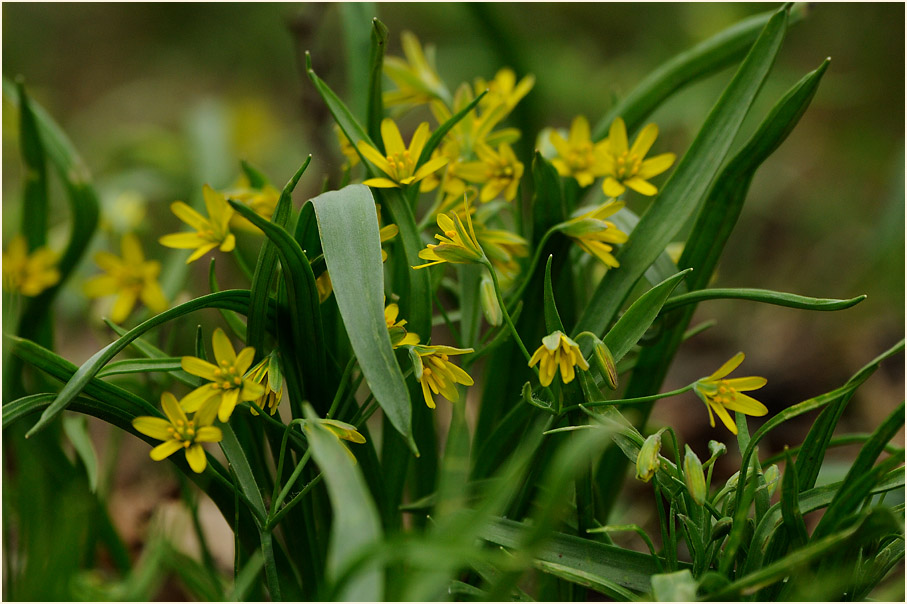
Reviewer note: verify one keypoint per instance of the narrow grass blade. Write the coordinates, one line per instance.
(34, 215)
(765, 296)
(348, 226)
(306, 330)
(689, 183)
(265, 269)
(355, 523)
(356, 19)
(438, 135)
(706, 58)
(150, 351)
(795, 527)
(230, 299)
(374, 106)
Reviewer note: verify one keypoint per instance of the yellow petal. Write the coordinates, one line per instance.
(427, 394)
(725, 418)
(197, 459)
(198, 397)
(374, 156)
(747, 405)
(417, 143)
(100, 286)
(153, 296)
(656, 165)
(390, 134)
(172, 409)
(123, 306)
(227, 403)
(155, 427)
(188, 215)
(244, 359)
(201, 251)
(644, 140)
(747, 383)
(208, 434)
(617, 137)
(641, 186)
(184, 241)
(579, 131)
(223, 349)
(380, 183)
(728, 367)
(612, 188)
(196, 366)
(165, 450)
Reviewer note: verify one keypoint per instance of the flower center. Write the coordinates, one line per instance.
(627, 165)
(227, 377)
(183, 431)
(401, 164)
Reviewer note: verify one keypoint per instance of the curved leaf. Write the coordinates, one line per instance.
(348, 226)
(765, 296)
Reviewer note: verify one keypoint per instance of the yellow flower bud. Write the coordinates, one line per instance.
(647, 462)
(490, 305)
(604, 362)
(693, 476)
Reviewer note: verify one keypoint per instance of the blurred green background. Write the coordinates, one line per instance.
(161, 98)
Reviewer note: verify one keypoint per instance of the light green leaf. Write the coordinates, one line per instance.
(674, 587)
(355, 525)
(348, 226)
(766, 296)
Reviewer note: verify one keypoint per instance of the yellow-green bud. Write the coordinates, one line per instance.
(647, 462)
(604, 362)
(692, 474)
(490, 305)
(771, 476)
(716, 448)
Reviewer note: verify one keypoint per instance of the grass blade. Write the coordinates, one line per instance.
(766, 296)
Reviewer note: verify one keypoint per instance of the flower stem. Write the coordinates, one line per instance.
(241, 262)
(631, 401)
(530, 269)
(497, 291)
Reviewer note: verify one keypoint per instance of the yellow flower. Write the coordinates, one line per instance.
(209, 232)
(267, 374)
(500, 172)
(595, 235)
(399, 336)
(475, 128)
(28, 274)
(503, 90)
(324, 286)
(346, 147)
(228, 384)
(400, 163)
(416, 78)
(387, 232)
(558, 351)
(458, 245)
(180, 432)
(342, 430)
(578, 156)
(721, 396)
(131, 278)
(437, 374)
(624, 167)
(262, 201)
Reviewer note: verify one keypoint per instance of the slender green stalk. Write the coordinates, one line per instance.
(631, 401)
(507, 318)
(290, 482)
(530, 269)
(341, 388)
(241, 262)
(453, 330)
(267, 549)
(281, 457)
(292, 502)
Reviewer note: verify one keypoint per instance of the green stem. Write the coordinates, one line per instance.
(292, 502)
(530, 269)
(447, 321)
(282, 456)
(270, 565)
(275, 505)
(342, 388)
(497, 291)
(631, 401)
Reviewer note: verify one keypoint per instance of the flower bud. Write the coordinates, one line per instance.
(693, 476)
(489, 299)
(771, 476)
(647, 462)
(604, 362)
(716, 449)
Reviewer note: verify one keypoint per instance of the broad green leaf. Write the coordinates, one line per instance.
(687, 186)
(611, 565)
(348, 226)
(766, 296)
(355, 523)
(708, 57)
(229, 299)
(34, 215)
(639, 317)
(306, 330)
(674, 587)
(266, 267)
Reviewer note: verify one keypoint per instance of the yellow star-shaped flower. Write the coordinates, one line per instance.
(558, 352)
(721, 395)
(130, 278)
(180, 432)
(400, 162)
(209, 232)
(626, 167)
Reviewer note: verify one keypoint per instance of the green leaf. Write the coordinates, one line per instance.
(875, 523)
(438, 135)
(306, 330)
(151, 351)
(348, 226)
(552, 318)
(640, 316)
(34, 215)
(790, 505)
(266, 267)
(704, 59)
(355, 523)
(342, 115)
(766, 296)
(547, 198)
(356, 19)
(230, 299)
(170, 364)
(257, 179)
(237, 459)
(76, 429)
(607, 564)
(688, 184)
(230, 318)
(375, 101)
(674, 587)
(861, 476)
